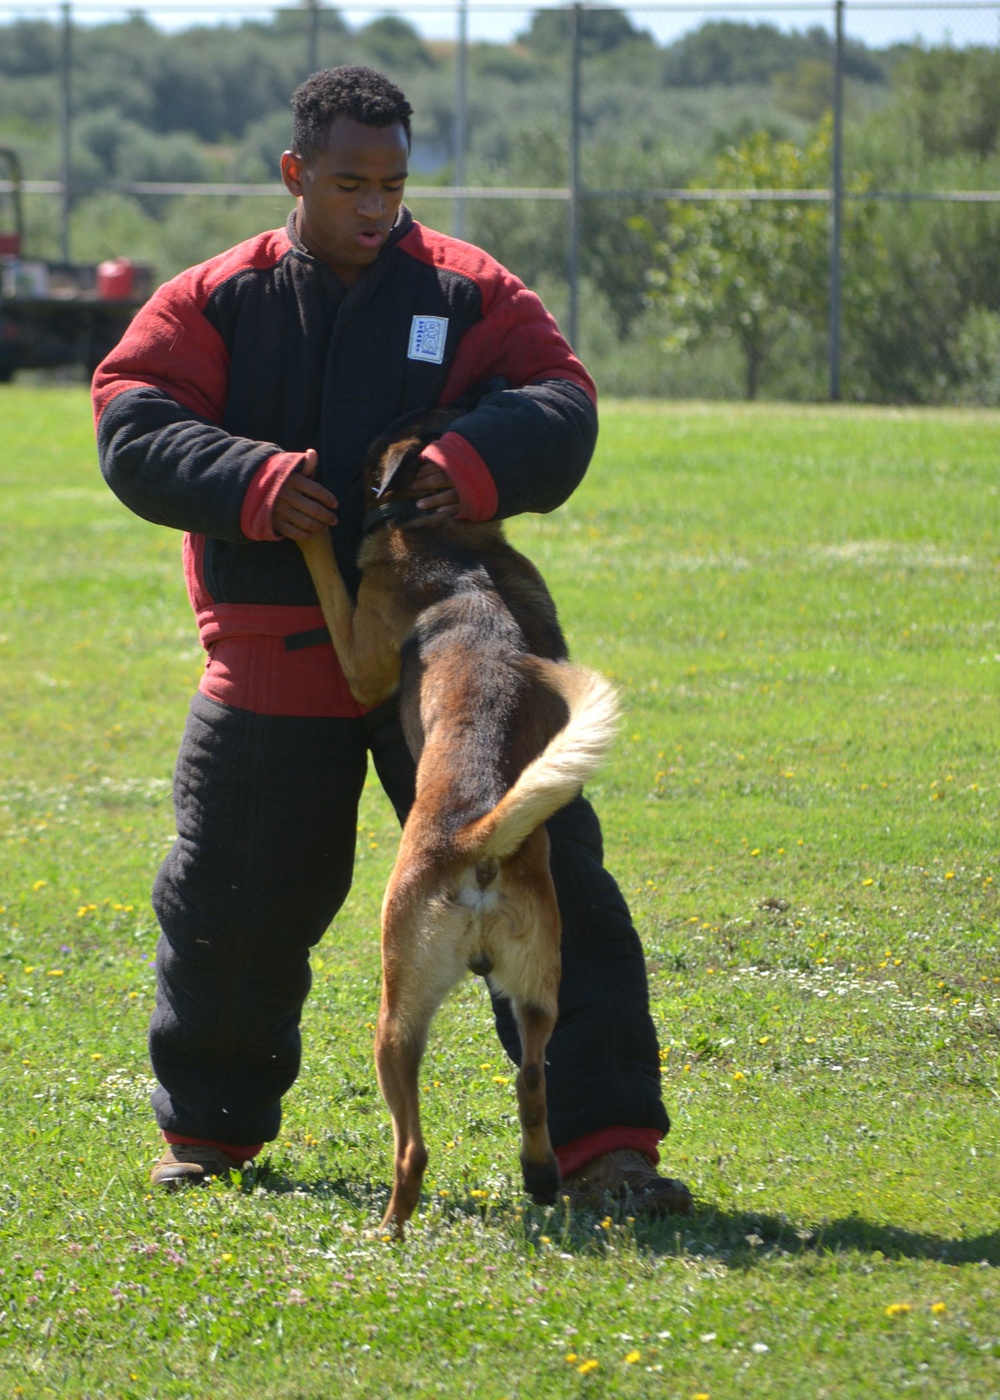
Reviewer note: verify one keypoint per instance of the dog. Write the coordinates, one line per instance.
(504, 731)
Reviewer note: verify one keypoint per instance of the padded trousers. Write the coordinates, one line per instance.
(267, 812)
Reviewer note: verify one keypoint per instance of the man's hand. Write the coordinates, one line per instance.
(303, 506)
(437, 492)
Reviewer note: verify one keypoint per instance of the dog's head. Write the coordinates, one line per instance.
(394, 457)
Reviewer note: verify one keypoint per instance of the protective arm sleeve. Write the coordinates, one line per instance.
(524, 447)
(158, 400)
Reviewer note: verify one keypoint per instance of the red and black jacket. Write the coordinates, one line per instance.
(234, 368)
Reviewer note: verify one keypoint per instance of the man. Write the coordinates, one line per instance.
(238, 408)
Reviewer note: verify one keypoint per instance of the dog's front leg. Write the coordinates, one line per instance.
(369, 658)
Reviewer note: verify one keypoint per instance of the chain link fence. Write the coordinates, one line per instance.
(788, 200)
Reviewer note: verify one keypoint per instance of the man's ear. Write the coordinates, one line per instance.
(292, 167)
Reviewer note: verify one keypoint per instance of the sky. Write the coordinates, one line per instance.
(875, 22)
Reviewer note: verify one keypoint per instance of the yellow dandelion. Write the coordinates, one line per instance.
(897, 1309)
(587, 1367)
(500, 1079)
(939, 1307)
(39, 885)
(571, 1357)
(633, 1357)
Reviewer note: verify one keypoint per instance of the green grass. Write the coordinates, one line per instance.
(801, 608)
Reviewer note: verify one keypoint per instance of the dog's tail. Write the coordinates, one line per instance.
(556, 776)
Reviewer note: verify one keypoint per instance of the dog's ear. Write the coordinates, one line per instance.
(399, 466)
(386, 466)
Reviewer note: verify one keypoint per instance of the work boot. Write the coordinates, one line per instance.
(192, 1164)
(627, 1177)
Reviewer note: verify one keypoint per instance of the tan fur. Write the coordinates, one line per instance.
(466, 891)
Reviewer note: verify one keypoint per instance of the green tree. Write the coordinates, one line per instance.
(30, 47)
(395, 45)
(532, 238)
(953, 96)
(927, 335)
(728, 52)
(749, 270)
(601, 31)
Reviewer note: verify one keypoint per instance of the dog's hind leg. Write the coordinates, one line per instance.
(539, 1166)
(417, 973)
(398, 1052)
(527, 971)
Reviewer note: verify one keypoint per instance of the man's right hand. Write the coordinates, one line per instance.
(303, 506)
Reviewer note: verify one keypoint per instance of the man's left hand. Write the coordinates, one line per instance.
(436, 491)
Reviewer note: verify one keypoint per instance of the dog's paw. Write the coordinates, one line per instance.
(542, 1181)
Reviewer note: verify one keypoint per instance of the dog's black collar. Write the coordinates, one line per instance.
(391, 512)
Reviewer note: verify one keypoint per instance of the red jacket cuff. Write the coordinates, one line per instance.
(241, 1153)
(459, 460)
(258, 503)
(574, 1155)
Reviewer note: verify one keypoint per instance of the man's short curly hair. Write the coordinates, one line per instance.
(353, 90)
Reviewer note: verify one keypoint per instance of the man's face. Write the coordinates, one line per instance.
(349, 195)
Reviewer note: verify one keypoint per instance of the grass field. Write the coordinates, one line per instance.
(801, 606)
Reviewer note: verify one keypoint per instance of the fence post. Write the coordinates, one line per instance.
(836, 200)
(312, 37)
(573, 269)
(461, 115)
(65, 126)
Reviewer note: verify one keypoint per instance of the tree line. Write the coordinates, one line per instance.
(703, 298)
